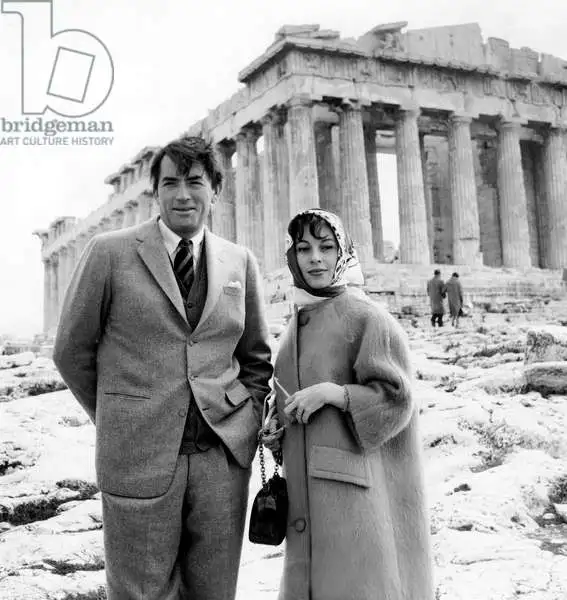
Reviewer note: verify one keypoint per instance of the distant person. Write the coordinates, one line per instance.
(436, 292)
(163, 340)
(455, 298)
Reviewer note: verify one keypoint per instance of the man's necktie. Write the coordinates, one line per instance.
(183, 265)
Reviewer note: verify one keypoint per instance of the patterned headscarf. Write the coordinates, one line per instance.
(347, 269)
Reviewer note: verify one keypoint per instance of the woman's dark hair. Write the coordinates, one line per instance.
(312, 222)
(183, 152)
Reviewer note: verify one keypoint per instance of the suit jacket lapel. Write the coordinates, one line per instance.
(154, 254)
(216, 274)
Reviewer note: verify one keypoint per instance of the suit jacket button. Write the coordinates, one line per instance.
(300, 525)
(182, 412)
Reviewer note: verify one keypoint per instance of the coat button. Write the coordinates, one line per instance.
(300, 525)
(182, 412)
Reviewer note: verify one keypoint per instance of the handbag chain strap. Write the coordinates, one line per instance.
(263, 465)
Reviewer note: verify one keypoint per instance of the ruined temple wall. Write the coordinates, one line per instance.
(441, 209)
(488, 205)
(531, 157)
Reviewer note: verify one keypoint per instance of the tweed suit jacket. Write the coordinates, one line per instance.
(128, 354)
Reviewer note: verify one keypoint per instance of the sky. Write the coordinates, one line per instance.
(173, 61)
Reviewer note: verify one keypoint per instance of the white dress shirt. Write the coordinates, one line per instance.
(171, 241)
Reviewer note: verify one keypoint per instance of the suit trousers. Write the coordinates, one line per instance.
(184, 545)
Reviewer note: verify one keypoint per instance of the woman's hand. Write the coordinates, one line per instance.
(304, 403)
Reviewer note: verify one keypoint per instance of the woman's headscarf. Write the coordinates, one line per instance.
(347, 269)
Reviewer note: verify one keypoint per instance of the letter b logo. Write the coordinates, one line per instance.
(69, 72)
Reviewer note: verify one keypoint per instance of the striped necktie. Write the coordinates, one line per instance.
(183, 266)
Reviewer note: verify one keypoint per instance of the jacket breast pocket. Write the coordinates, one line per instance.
(326, 462)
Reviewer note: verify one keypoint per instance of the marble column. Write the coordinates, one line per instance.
(466, 229)
(105, 224)
(327, 174)
(47, 271)
(71, 261)
(275, 203)
(81, 243)
(512, 197)
(144, 207)
(54, 294)
(414, 245)
(374, 193)
(130, 213)
(117, 219)
(224, 210)
(303, 179)
(249, 210)
(61, 278)
(355, 199)
(555, 183)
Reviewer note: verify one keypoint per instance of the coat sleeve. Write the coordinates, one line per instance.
(381, 402)
(81, 325)
(253, 350)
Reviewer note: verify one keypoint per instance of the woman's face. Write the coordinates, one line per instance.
(317, 258)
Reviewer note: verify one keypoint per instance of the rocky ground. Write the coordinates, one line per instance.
(493, 396)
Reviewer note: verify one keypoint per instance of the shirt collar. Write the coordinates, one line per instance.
(171, 240)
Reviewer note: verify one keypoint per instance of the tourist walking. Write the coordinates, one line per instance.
(164, 342)
(357, 525)
(454, 298)
(436, 292)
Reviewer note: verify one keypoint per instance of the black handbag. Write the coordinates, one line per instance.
(268, 519)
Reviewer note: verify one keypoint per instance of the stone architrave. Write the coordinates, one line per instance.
(466, 228)
(326, 168)
(374, 193)
(512, 196)
(275, 198)
(414, 245)
(555, 183)
(249, 210)
(303, 179)
(355, 200)
(224, 216)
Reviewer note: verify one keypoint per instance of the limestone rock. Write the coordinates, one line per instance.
(16, 360)
(546, 344)
(547, 377)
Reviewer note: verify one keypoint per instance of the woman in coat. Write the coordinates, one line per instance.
(357, 525)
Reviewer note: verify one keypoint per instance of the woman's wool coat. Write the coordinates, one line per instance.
(357, 525)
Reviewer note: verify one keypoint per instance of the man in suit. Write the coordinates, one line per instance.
(163, 340)
(436, 292)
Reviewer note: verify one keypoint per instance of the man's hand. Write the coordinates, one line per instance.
(304, 403)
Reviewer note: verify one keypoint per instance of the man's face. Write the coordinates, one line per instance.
(184, 202)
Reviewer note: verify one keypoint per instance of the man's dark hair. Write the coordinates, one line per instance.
(312, 222)
(183, 152)
(437, 272)
(456, 275)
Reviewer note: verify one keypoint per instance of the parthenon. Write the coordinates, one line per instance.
(477, 129)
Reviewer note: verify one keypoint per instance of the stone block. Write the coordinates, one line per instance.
(546, 344)
(461, 43)
(498, 53)
(547, 378)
